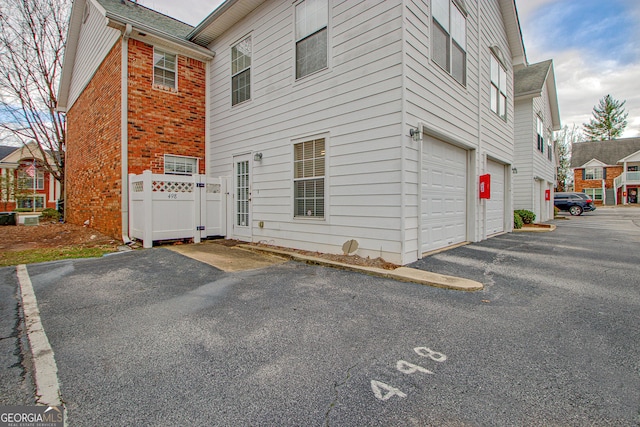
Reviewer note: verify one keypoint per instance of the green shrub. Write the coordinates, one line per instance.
(517, 220)
(556, 211)
(50, 214)
(527, 216)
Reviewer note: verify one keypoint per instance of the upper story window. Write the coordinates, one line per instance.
(449, 45)
(549, 151)
(308, 178)
(180, 165)
(312, 17)
(164, 69)
(540, 134)
(28, 179)
(593, 173)
(498, 88)
(241, 72)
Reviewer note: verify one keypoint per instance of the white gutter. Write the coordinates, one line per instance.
(124, 133)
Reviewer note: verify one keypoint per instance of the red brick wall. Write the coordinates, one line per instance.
(160, 122)
(93, 151)
(163, 121)
(579, 184)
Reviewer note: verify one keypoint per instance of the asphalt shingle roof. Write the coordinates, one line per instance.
(608, 152)
(5, 150)
(138, 13)
(531, 78)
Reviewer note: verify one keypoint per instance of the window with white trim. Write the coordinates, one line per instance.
(241, 72)
(549, 151)
(498, 88)
(164, 69)
(308, 178)
(593, 173)
(449, 38)
(28, 182)
(180, 165)
(540, 134)
(27, 202)
(594, 193)
(312, 18)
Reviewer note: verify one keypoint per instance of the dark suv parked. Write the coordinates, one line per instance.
(574, 203)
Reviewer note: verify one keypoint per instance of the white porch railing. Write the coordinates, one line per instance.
(167, 207)
(627, 178)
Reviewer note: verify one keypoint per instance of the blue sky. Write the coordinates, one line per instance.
(595, 46)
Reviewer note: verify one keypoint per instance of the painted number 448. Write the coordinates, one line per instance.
(384, 391)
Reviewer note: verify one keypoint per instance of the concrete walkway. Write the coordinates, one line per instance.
(248, 257)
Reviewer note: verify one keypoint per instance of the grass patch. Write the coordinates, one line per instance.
(33, 256)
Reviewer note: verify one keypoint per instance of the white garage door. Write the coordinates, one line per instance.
(444, 195)
(495, 205)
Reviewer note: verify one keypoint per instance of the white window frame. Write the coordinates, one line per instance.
(319, 153)
(305, 28)
(593, 173)
(25, 182)
(171, 158)
(164, 68)
(239, 69)
(591, 192)
(450, 18)
(40, 204)
(498, 96)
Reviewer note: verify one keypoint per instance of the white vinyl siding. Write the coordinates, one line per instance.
(311, 36)
(241, 72)
(358, 104)
(495, 204)
(94, 43)
(164, 69)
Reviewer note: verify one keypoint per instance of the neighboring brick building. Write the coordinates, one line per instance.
(138, 70)
(24, 182)
(609, 171)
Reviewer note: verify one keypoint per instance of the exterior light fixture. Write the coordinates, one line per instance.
(514, 170)
(257, 157)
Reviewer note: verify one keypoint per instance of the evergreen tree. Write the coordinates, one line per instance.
(609, 120)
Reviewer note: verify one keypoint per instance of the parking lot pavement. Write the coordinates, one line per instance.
(15, 381)
(152, 337)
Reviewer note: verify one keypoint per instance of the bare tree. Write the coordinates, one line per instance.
(564, 139)
(31, 52)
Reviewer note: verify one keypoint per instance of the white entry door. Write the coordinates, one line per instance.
(444, 195)
(242, 197)
(495, 205)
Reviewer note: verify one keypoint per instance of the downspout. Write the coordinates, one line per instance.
(124, 133)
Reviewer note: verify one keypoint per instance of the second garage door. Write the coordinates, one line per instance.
(495, 205)
(444, 195)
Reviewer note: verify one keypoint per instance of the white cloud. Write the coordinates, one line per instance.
(191, 12)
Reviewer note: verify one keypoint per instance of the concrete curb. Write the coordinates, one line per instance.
(546, 229)
(44, 363)
(403, 274)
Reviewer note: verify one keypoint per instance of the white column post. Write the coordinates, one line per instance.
(147, 208)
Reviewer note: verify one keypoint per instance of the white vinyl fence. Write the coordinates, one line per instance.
(167, 207)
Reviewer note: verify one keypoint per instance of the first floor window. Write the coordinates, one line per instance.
(308, 178)
(498, 88)
(312, 18)
(28, 202)
(180, 165)
(594, 193)
(241, 71)
(449, 38)
(593, 173)
(164, 69)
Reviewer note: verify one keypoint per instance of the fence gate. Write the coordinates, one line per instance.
(166, 207)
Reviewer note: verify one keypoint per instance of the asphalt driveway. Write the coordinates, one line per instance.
(155, 338)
